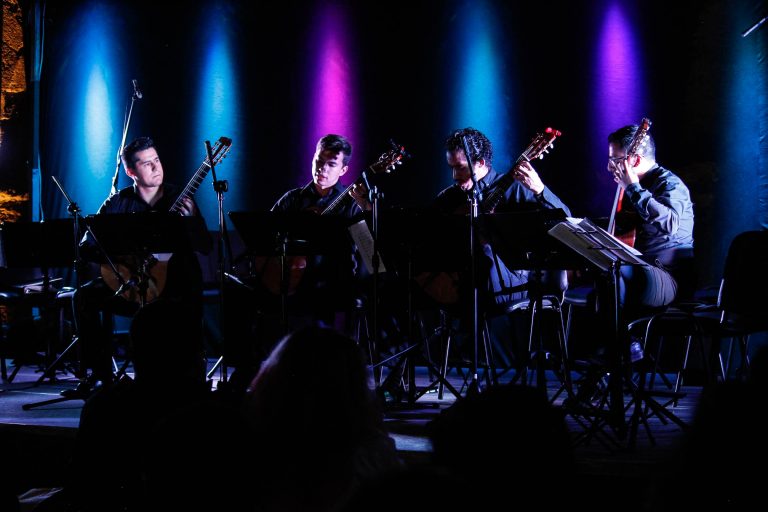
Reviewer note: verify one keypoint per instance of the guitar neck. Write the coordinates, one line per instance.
(191, 187)
(535, 149)
(616, 202)
(495, 196)
(338, 204)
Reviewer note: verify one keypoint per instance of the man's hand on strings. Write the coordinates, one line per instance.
(188, 207)
(359, 193)
(527, 175)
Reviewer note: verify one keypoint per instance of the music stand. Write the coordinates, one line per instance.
(428, 242)
(284, 234)
(157, 232)
(522, 242)
(42, 245)
(138, 234)
(607, 254)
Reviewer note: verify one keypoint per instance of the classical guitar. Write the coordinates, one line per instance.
(443, 287)
(270, 268)
(625, 230)
(147, 272)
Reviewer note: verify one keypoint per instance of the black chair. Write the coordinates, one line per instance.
(739, 311)
(742, 304)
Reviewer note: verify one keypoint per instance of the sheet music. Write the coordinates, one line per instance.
(594, 243)
(364, 241)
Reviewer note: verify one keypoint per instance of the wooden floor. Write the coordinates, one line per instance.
(38, 441)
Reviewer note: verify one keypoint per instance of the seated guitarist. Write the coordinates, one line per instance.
(499, 285)
(657, 206)
(329, 282)
(526, 192)
(96, 300)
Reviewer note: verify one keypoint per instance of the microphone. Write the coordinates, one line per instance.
(136, 92)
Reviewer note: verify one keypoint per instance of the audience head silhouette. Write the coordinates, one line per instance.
(316, 422)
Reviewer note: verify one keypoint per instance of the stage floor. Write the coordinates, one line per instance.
(38, 442)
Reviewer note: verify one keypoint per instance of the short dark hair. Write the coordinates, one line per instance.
(129, 152)
(337, 144)
(479, 145)
(623, 138)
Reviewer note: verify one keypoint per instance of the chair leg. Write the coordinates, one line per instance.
(445, 337)
(491, 377)
(565, 359)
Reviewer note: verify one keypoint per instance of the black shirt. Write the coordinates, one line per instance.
(329, 279)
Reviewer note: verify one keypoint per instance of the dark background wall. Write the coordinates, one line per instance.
(704, 88)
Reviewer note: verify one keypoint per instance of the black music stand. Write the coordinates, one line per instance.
(44, 245)
(424, 241)
(607, 254)
(138, 235)
(128, 233)
(284, 234)
(521, 240)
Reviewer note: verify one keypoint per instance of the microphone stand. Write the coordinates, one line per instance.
(220, 187)
(474, 199)
(135, 96)
(374, 195)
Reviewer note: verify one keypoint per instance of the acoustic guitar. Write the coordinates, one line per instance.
(625, 230)
(270, 269)
(443, 287)
(144, 275)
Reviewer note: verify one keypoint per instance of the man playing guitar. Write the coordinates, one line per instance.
(320, 285)
(657, 206)
(178, 278)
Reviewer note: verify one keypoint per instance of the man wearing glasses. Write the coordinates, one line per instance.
(657, 204)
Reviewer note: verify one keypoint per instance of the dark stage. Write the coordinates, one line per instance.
(265, 81)
(38, 442)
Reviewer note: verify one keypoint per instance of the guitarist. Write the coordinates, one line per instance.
(657, 206)
(328, 283)
(498, 284)
(183, 283)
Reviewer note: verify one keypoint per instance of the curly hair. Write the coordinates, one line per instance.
(479, 145)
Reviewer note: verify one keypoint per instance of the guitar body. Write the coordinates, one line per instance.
(625, 227)
(151, 271)
(441, 287)
(269, 270)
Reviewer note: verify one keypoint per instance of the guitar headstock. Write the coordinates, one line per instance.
(640, 138)
(541, 144)
(391, 159)
(220, 149)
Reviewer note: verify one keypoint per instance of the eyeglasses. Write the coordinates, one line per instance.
(615, 159)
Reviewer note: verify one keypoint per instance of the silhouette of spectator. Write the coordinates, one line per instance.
(316, 423)
(116, 420)
(722, 453)
(508, 439)
(417, 487)
(195, 458)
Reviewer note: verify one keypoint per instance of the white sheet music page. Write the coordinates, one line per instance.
(364, 241)
(594, 243)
